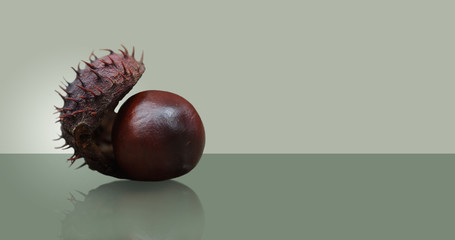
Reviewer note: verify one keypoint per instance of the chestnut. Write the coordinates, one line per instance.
(157, 135)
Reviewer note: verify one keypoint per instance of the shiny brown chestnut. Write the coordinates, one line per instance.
(157, 135)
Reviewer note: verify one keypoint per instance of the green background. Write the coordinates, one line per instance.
(265, 76)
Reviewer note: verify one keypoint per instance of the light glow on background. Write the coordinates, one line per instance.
(265, 76)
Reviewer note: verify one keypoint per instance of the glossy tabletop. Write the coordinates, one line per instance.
(232, 196)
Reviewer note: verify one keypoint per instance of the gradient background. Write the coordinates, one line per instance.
(265, 76)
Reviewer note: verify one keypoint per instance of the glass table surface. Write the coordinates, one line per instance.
(234, 196)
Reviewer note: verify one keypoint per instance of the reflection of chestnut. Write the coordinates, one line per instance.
(136, 210)
(157, 135)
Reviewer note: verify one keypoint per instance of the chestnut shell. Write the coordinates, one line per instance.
(157, 135)
(88, 113)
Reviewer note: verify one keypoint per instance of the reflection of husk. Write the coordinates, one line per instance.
(136, 210)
